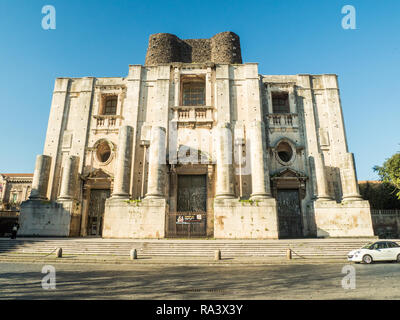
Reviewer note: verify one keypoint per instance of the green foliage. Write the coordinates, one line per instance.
(250, 201)
(389, 172)
(133, 201)
(380, 195)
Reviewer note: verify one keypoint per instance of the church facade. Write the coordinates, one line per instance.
(196, 143)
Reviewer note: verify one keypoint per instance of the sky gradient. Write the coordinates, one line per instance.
(101, 38)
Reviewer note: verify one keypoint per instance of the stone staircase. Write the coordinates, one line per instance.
(201, 248)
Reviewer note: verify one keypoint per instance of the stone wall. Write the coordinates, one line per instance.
(386, 223)
(224, 47)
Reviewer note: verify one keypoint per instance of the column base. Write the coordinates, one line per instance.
(260, 196)
(225, 196)
(154, 196)
(120, 196)
(324, 198)
(64, 198)
(352, 197)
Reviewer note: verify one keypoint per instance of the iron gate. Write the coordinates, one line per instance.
(187, 224)
(289, 214)
(190, 220)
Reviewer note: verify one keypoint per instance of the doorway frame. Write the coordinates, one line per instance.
(291, 179)
(98, 179)
(192, 169)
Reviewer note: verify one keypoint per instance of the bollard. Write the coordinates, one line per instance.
(217, 255)
(133, 254)
(289, 254)
(59, 253)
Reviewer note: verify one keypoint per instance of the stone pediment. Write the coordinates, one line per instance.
(97, 174)
(288, 173)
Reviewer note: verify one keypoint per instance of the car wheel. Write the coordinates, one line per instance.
(367, 259)
(398, 258)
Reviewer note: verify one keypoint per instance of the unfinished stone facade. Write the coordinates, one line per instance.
(196, 143)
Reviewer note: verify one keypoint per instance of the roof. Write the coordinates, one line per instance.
(370, 181)
(17, 174)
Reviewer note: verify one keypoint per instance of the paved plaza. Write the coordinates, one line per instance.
(129, 281)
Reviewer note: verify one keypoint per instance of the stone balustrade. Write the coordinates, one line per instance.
(283, 120)
(193, 116)
(107, 123)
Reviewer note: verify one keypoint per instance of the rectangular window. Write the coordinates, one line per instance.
(280, 102)
(193, 93)
(110, 105)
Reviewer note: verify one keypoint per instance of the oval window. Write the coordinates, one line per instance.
(284, 151)
(103, 151)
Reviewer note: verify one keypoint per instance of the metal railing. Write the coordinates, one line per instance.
(395, 212)
(186, 224)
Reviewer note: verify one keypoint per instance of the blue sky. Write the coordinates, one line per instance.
(101, 38)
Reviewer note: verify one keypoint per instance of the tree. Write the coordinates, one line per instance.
(389, 172)
(379, 194)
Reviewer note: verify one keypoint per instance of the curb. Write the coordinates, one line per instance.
(161, 263)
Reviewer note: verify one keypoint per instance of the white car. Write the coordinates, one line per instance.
(377, 251)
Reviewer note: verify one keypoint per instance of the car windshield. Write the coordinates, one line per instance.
(368, 246)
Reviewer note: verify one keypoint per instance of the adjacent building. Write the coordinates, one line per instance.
(14, 188)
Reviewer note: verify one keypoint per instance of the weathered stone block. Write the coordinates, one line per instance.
(49, 218)
(346, 219)
(135, 219)
(245, 220)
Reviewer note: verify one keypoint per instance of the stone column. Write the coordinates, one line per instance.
(40, 178)
(177, 83)
(157, 158)
(123, 163)
(69, 178)
(349, 179)
(259, 164)
(208, 87)
(224, 181)
(322, 183)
